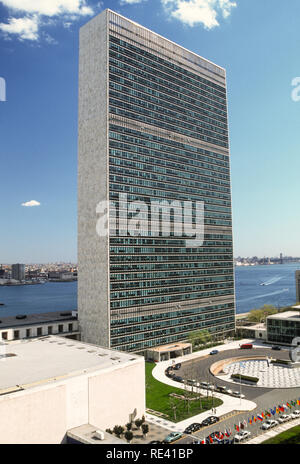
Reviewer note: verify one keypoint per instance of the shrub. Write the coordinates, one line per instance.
(138, 423)
(246, 378)
(118, 430)
(128, 435)
(145, 428)
(129, 426)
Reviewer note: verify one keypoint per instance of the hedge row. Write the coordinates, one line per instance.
(247, 378)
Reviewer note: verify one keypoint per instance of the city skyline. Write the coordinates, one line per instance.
(40, 106)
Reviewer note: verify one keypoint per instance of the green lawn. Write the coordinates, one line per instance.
(157, 399)
(290, 437)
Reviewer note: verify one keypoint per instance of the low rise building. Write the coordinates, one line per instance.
(29, 326)
(51, 385)
(282, 328)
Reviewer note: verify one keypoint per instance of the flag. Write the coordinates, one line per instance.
(260, 418)
(237, 428)
(245, 423)
(221, 436)
(288, 404)
(203, 442)
(268, 414)
(298, 402)
(242, 425)
(227, 433)
(262, 415)
(250, 421)
(210, 439)
(255, 420)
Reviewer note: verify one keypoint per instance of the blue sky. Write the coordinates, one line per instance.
(258, 42)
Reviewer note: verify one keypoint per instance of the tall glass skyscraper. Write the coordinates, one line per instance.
(153, 153)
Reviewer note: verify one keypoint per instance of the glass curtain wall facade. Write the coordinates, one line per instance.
(167, 140)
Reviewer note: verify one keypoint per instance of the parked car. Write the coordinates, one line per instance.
(237, 394)
(242, 435)
(206, 386)
(177, 378)
(209, 421)
(246, 346)
(177, 366)
(214, 352)
(191, 382)
(269, 424)
(228, 391)
(193, 428)
(284, 418)
(173, 436)
(295, 414)
(220, 388)
(276, 348)
(223, 389)
(155, 442)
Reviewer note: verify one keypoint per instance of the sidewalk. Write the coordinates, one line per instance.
(229, 403)
(273, 432)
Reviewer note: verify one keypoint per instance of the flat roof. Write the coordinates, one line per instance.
(86, 434)
(285, 315)
(171, 347)
(45, 359)
(39, 318)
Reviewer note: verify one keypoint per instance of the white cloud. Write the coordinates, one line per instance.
(49, 7)
(25, 28)
(130, 2)
(28, 16)
(31, 203)
(205, 12)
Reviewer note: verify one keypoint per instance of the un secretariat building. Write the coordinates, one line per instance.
(153, 134)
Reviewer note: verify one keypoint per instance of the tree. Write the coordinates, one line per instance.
(128, 435)
(199, 337)
(138, 423)
(129, 426)
(118, 430)
(260, 314)
(173, 405)
(145, 429)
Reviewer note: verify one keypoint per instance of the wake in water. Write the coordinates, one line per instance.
(271, 281)
(278, 292)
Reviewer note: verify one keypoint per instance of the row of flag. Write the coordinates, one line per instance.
(252, 420)
(267, 413)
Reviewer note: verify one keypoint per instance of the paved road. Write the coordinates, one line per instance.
(265, 398)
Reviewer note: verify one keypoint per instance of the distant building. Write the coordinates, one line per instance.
(18, 271)
(297, 276)
(30, 326)
(51, 388)
(61, 276)
(2, 273)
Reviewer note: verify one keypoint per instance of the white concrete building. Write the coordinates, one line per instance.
(64, 323)
(51, 385)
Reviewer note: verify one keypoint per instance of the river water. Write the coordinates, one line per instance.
(279, 289)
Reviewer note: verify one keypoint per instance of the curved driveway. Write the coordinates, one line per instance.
(199, 369)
